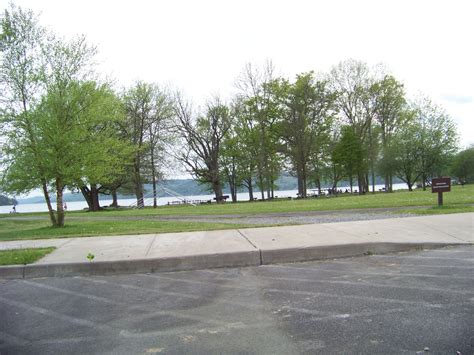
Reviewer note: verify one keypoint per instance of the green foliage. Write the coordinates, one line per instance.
(437, 136)
(57, 123)
(348, 153)
(306, 115)
(462, 166)
(147, 128)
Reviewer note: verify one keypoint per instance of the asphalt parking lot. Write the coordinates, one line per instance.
(417, 302)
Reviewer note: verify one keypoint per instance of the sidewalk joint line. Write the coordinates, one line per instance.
(151, 244)
(247, 239)
(443, 232)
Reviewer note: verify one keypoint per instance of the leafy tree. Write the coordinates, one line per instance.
(256, 94)
(108, 157)
(463, 166)
(306, 116)
(387, 101)
(348, 154)
(148, 127)
(351, 81)
(230, 161)
(438, 139)
(47, 116)
(160, 136)
(405, 153)
(21, 72)
(244, 146)
(202, 136)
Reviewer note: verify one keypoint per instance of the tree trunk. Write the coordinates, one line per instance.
(300, 184)
(59, 203)
(217, 188)
(155, 204)
(95, 198)
(113, 192)
(233, 192)
(305, 190)
(361, 182)
(52, 216)
(91, 196)
(250, 188)
(139, 195)
(373, 179)
(138, 183)
(153, 173)
(262, 189)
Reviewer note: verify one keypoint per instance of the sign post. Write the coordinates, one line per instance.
(441, 185)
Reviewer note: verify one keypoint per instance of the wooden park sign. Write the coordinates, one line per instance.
(441, 185)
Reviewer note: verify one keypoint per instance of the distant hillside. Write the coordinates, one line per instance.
(5, 201)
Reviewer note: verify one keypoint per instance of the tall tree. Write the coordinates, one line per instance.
(202, 136)
(47, 141)
(438, 138)
(245, 144)
(108, 155)
(387, 100)
(405, 153)
(348, 154)
(160, 137)
(149, 111)
(351, 81)
(306, 117)
(21, 73)
(462, 166)
(255, 90)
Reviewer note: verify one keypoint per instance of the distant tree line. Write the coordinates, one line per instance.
(7, 201)
(64, 127)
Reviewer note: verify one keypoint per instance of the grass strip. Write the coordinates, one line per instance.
(23, 256)
(13, 229)
(438, 210)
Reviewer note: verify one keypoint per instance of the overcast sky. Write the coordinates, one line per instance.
(201, 46)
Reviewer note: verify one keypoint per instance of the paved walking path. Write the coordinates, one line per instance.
(243, 247)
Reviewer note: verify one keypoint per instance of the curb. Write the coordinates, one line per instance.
(207, 261)
(291, 255)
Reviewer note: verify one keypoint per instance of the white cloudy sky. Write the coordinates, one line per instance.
(201, 46)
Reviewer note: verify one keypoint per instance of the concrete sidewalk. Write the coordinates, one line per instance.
(244, 247)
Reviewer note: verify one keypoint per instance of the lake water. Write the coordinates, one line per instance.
(80, 205)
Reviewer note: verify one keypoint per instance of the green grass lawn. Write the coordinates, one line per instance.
(23, 256)
(460, 195)
(133, 221)
(40, 229)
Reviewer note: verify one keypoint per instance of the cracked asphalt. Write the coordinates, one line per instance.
(406, 303)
